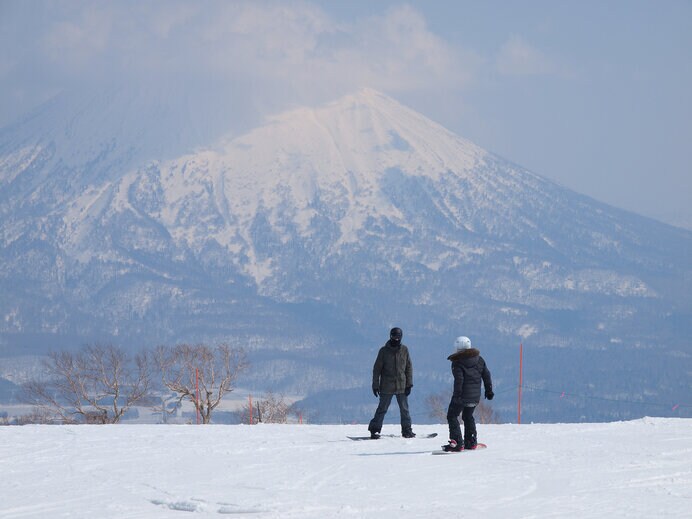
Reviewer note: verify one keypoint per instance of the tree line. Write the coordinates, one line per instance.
(99, 384)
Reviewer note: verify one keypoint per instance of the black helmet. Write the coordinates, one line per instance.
(395, 334)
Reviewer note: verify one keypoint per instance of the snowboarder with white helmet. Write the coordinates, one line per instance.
(469, 369)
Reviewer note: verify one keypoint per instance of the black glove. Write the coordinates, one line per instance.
(376, 392)
(407, 391)
(489, 395)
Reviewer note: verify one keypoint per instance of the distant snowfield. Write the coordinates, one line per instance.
(641, 468)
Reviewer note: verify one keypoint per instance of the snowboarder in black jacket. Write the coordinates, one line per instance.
(392, 375)
(468, 368)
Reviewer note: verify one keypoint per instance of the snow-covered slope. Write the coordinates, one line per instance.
(627, 469)
(311, 235)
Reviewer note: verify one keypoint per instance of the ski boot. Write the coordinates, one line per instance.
(470, 443)
(453, 446)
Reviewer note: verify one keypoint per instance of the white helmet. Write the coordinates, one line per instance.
(462, 343)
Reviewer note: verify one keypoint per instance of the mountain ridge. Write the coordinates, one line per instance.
(354, 216)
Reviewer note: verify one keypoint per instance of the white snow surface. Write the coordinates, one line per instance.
(641, 468)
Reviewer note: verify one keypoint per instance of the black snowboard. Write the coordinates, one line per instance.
(359, 438)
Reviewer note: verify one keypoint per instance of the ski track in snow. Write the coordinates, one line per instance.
(624, 469)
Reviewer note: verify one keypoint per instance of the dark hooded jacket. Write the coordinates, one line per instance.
(393, 371)
(468, 368)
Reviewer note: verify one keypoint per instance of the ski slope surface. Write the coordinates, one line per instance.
(641, 468)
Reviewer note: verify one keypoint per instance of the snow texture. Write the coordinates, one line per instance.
(641, 468)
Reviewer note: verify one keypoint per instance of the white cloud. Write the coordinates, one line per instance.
(518, 58)
(401, 53)
(274, 54)
(73, 43)
(309, 54)
(164, 22)
(298, 45)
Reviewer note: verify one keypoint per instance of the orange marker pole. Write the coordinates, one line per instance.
(197, 394)
(521, 381)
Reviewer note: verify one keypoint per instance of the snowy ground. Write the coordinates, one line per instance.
(625, 469)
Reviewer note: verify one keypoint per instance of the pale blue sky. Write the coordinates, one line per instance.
(595, 95)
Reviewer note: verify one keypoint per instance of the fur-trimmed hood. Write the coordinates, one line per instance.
(464, 354)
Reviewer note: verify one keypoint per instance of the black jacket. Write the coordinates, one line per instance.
(468, 368)
(392, 372)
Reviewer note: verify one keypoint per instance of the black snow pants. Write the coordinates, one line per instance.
(466, 411)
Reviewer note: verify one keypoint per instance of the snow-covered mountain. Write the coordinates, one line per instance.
(305, 239)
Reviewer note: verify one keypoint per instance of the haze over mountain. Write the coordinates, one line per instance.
(307, 238)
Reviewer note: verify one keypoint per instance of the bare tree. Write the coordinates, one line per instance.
(215, 370)
(304, 415)
(166, 404)
(271, 408)
(35, 417)
(101, 381)
(437, 404)
(485, 414)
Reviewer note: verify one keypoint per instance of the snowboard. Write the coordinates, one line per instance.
(360, 438)
(478, 446)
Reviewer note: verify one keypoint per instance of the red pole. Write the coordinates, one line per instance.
(521, 376)
(250, 407)
(197, 393)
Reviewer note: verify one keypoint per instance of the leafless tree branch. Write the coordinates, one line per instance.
(218, 369)
(98, 379)
(271, 408)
